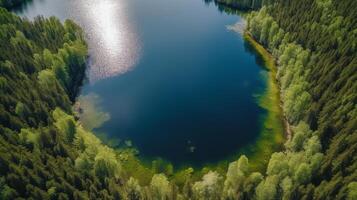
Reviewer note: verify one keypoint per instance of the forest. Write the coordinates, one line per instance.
(47, 154)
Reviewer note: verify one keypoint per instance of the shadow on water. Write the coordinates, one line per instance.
(258, 58)
(23, 5)
(232, 10)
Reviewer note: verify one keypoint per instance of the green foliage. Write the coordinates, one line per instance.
(303, 173)
(6, 192)
(235, 177)
(46, 79)
(42, 63)
(20, 109)
(301, 133)
(209, 188)
(287, 188)
(278, 165)
(134, 190)
(251, 184)
(352, 190)
(106, 164)
(65, 124)
(30, 137)
(316, 71)
(160, 187)
(267, 189)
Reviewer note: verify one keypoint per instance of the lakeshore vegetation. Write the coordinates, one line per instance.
(47, 154)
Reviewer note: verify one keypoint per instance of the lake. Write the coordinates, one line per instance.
(168, 76)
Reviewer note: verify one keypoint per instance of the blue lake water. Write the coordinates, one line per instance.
(174, 80)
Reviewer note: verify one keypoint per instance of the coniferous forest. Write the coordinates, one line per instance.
(47, 154)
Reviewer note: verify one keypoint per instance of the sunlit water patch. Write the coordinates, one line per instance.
(114, 47)
(114, 44)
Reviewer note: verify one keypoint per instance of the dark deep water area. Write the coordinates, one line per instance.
(169, 75)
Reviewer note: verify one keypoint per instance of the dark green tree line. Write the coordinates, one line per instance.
(314, 42)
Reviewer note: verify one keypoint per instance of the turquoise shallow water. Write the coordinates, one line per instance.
(174, 80)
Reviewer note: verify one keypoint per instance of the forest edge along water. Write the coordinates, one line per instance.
(272, 137)
(272, 67)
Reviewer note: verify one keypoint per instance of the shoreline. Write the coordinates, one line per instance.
(272, 67)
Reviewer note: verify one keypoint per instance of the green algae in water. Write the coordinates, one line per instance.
(271, 137)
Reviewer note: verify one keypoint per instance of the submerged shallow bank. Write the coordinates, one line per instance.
(271, 138)
(270, 63)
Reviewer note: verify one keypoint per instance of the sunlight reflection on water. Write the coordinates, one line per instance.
(113, 44)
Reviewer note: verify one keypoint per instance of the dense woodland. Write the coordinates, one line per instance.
(315, 43)
(46, 154)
